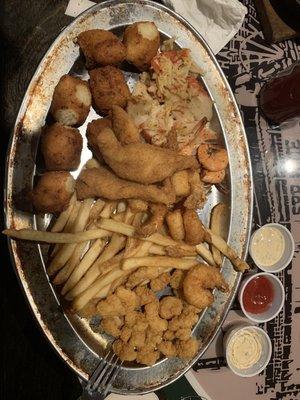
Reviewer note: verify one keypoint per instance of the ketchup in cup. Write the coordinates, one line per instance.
(279, 98)
(258, 295)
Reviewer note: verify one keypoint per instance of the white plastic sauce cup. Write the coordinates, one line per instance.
(289, 249)
(276, 305)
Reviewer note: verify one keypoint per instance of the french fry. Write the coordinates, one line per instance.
(118, 282)
(178, 251)
(228, 252)
(108, 209)
(65, 252)
(52, 237)
(204, 252)
(117, 243)
(81, 300)
(132, 242)
(158, 261)
(96, 271)
(107, 225)
(219, 222)
(157, 250)
(115, 226)
(96, 209)
(64, 273)
(86, 262)
(61, 221)
(68, 226)
(73, 216)
(104, 292)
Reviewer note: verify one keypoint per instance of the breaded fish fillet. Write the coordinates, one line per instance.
(100, 182)
(141, 162)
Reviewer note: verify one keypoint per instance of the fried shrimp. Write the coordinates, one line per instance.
(198, 285)
(212, 157)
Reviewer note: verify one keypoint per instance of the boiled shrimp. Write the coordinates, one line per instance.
(198, 285)
(212, 157)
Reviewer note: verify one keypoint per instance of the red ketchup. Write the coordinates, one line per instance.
(279, 98)
(258, 295)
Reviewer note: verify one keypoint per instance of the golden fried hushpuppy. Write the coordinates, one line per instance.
(108, 88)
(142, 43)
(71, 101)
(61, 147)
(52, 192)
(101, 47)
(92, 131)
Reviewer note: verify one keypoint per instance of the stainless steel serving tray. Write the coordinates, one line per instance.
(73, 337)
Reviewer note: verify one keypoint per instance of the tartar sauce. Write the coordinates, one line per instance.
(267, 246)
(244, 348)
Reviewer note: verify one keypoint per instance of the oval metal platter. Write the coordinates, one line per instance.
(78, 340)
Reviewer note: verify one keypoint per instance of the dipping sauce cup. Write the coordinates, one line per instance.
(272, 247)
(261, 297)
(248, 350)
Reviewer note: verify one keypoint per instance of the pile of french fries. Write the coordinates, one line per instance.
(96, 248)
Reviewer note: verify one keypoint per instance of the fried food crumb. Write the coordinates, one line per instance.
(183, 333)
(124, 350)
(146, 355)
(155, 322)
(169, 335)
(111, 307)
(137, 339)
(169, 307)
(177, 279)
(187, 349)
(167, 348)
(153, 338)
(125, 334)
(160, 282)
(145, 295)
(128, 298)
(112, 325)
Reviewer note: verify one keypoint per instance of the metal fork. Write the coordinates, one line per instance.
(102, 378)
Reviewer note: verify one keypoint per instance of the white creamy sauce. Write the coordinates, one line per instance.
(267, 246)
(244, 348)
